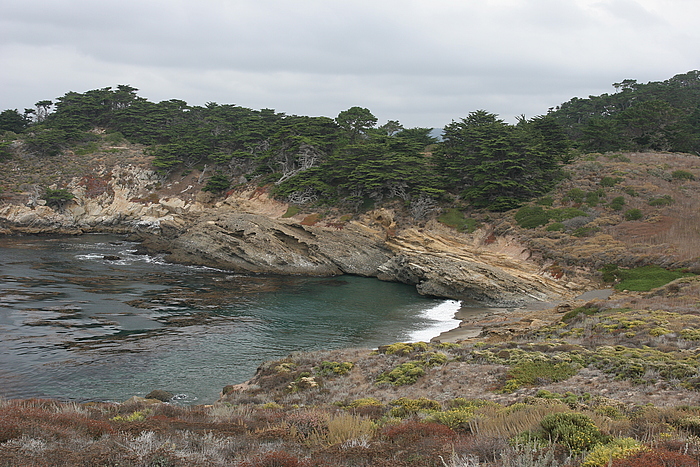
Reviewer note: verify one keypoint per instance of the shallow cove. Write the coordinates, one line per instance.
(85, 318)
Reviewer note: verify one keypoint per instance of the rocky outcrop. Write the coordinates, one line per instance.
(444, 266)
(246, 232)
(252, 243)
(116, 200)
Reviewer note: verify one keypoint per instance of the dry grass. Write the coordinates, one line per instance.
(667, 234)
(497, 421)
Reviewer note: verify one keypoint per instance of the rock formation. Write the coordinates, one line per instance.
(246, 232)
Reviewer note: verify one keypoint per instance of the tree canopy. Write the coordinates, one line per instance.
(350, 160)
(659, 115)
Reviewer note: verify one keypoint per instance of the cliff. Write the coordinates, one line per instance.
(245, 231)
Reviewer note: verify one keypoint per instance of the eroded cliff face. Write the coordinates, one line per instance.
(245, 232)
(247, 242)
(114, 200)
(460, 267)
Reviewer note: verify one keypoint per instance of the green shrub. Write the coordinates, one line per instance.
(528, 372)
(455, 218)
(610, 181)
(610, 273)
(365, 402)
(574, 430)
(618, 157)
(555, 227)
(529, 217)
(114, 138)
(292, 210)
(405, 407)
(630, 191)
(568, 397)
(659, 331)
(57, 198)
(84, 149)
(434, 359)
(645, 278)
(682, 175)
(546, 201)
(585, 231)
(562, 214)
(457, 419)
(593, 197)
(618, 448)
(217, 183)
(690, 423)
(334, 368)
(570, 315)
(690, 334)
(575, 195)
(633, 214)
(617, 203)
(404, 348)
(406, 373)
(137, 416)
(665, 200)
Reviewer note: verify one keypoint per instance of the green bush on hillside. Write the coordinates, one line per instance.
(217, 183)
(529, 217)
(619, 448)
(575, 195)
(574, 430)
(610, 181)
(682, 175)
(617, 203)
(327, 368)
(57, 198)
(455, 218)
(633, 214)
(563, 214)
(555, 227)
(406, 373)
(528, 373)
(665, 200)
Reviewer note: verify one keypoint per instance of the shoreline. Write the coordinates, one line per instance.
(475, 319)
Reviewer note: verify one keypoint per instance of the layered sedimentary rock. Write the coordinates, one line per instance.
(246, 232)
(449, 266)
(245, 242)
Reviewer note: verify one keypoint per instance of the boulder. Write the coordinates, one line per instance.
(161, 395)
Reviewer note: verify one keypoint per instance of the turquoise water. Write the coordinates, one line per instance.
(77, 325)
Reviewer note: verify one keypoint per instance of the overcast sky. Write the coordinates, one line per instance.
(422, 62)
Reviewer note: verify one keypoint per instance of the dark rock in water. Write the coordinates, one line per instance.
(111, 257)
(161, 395)
(140, 250)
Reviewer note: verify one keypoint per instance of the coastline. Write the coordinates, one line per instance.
(475, 320)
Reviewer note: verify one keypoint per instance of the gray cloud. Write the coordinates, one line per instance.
(423, 63)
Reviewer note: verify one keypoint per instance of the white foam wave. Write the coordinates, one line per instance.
(440, 318)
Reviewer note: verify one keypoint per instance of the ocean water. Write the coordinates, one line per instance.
(85, 318)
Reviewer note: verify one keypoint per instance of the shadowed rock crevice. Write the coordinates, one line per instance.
(291, 242)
